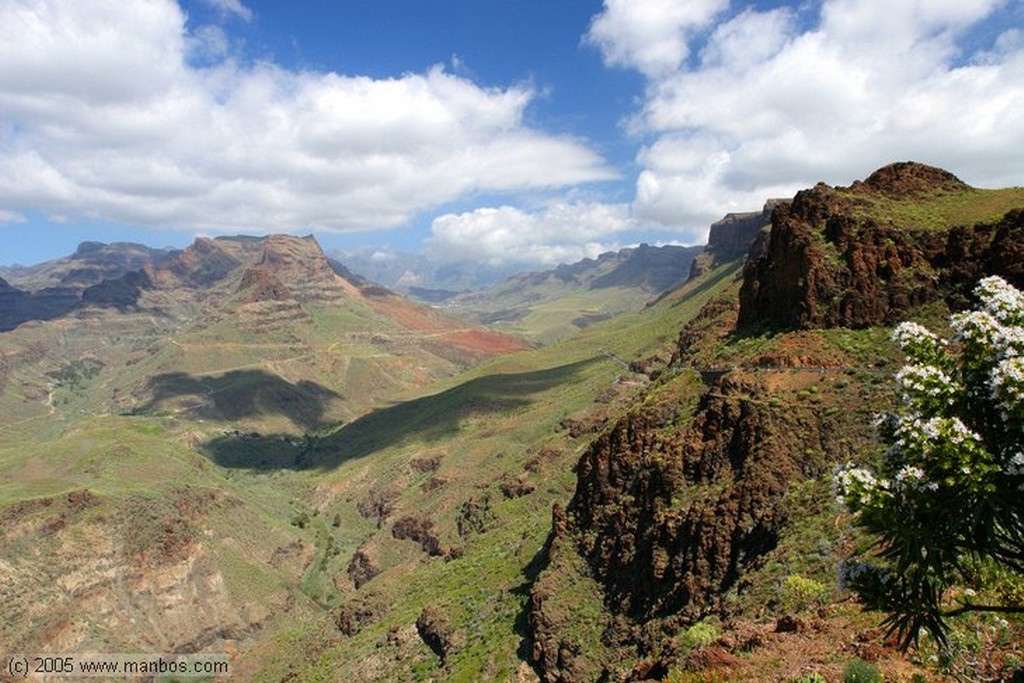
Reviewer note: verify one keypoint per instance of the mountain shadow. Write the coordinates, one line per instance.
(240, 394)
(430, 418)
(18, 306)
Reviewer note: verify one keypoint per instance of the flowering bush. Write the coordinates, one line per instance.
(950, 489)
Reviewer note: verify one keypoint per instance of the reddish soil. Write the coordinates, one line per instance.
(484, 342)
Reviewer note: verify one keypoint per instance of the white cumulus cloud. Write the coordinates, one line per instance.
(231, 7)
(650, 35)
(506, 235)
(104, 114)
(759, 103)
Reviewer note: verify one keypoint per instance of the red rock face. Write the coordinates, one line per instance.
(657, 555)
(907, 179)
(826, 265)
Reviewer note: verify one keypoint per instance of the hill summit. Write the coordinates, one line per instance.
(909, 179)
(871, 253)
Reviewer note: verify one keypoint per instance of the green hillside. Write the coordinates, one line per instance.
(260, 455)
(479, 458)
(554, 304)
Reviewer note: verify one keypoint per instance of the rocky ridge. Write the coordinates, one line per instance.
(730, 238)
(682, 501)
(828, 262)
(90, 264)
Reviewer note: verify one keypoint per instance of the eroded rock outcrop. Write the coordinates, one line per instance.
(872, 253)
(676, 507)
(730, 238)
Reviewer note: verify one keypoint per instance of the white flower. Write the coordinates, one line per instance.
(1012, 341)
(915, 477)
(856, 485)
(999, 327)
(959, 432)
(910, 473)
(1015, 465)
(916, 435)
(1006, 385)
(1002, 300)
(910, 332)
(979, 327)
(926, 381)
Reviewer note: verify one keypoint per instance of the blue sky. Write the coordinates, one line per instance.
(522, 132)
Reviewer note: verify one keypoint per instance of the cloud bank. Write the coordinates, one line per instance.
(743, 104)
(116, 111)
(506, 235)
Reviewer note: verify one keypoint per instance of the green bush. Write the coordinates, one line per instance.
(813, 677)
(859, 671)
(702, 634)
(799, 594)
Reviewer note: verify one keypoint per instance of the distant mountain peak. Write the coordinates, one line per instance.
(87, 248)
(295, 266)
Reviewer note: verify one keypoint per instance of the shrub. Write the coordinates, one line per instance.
(859, 671)
(799, 594)
(813, 677)
(948, 491)
(702, 634)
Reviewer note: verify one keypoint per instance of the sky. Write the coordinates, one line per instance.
(507, 132)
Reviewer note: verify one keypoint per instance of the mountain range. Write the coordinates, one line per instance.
(614, 470)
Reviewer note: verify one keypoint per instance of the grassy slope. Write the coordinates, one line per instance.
(939, 209)
(482, 592)
(554, 313)
(282, 537)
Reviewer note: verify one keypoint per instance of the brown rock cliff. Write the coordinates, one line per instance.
(833, 261)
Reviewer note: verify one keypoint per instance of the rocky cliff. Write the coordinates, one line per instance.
(680, 505)
(872, 253)
(730, 238)
(674, 507)
(294, 267)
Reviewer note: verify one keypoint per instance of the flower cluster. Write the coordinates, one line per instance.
(1015, 465)
(858, 487)
(915, 478)
(908, 334)
(923, 385)
(919, 343)
(951, 480)
(1003, 301)
(997, 329)
(1006, 387)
